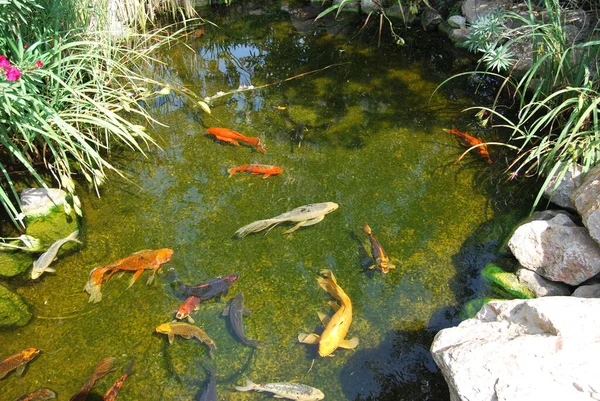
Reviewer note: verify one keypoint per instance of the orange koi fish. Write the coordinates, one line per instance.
(17, 361)
(379, 256)
(265, 169)
(41, 394)
(103, 368)
(112, 392)
(190, 305)
(233, 137)
(138, 262)
(469, 141)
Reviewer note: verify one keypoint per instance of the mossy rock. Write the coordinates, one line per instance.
(472, 307)
(52, 227)
(505, 283)
(13, 263)
(13, 310)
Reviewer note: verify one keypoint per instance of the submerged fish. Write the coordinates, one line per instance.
(103, 368)
(306, 215)
(41, 264)
(379, 255)
(471, 141)
(290, 391)
(17, 362)
(236, 310)
(190, 305)
(210, 392)
(41, 394)
(112, 392)
(186, 331)
(234, 137)
(210, 289)
(337, 327)
(256, 169)
(138, 262)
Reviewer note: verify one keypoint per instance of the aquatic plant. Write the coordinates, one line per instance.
(70, 96)
(558, 94)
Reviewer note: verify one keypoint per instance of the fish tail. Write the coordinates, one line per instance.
(73, 237)
(248, 387)
(254, 227)
(367, 229)
(94, 290)
(231, 172)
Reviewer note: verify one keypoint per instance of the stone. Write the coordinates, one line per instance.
(505, 284)
(586, 199)
(430, 19)
(457, 21)
(14, 263)
(540, 286)
(559, 192)
(473, 9)
(349, 7)
(554, 247)
(587, 291)
(523, 350)
(13, 310)
(41, 201)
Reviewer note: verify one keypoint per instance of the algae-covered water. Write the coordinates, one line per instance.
(374, 144)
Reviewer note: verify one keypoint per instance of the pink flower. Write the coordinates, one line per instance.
(4, 63)
(12, 73)
(39, 64)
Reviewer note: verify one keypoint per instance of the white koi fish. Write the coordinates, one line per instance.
(290, 391)
(41, 264)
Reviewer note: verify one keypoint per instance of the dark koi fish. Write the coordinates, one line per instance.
(112, 392)
(236, 310)
(233, 137)
(41, 394)
(17, 362)
(103, 368)
(256, 169)
(210, 289)
(210, 392)
(470, 141)
(379, 256)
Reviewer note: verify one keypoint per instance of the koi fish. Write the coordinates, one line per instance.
(381, 258)
(470, 141)
(290, 391)
(103, 368)
(41, 394)
(17, 362)
(138, 262)
(190, 305)
(234, 137)
(112, 392)
(236, 310)
(203, 292)
(306, 215)
(337, 327)
(41, 265)
(186, 331)
(210, 392)
(256, 169)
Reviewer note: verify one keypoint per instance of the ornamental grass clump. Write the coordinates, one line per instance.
(69, 97)
(557, 123)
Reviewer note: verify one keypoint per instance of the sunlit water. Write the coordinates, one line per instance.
(374, 145)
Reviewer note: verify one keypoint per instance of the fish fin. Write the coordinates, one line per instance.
(311, 338)
(171, 338)
(266, 176)
(349, 344)
(3, 374)
(20, 369)
(190, 319)
(323, 318)
(50, 270)
(245, 311)
(231, 172)
(248, 387)
(305, 223)
(226, 311)
(135, 277)
(334, 305)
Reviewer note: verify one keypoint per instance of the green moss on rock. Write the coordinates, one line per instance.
(14, 263)
(13, 311)
(504, 283)
(472, 307)
(52, 227)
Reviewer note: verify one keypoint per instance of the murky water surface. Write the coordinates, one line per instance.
(374, 144)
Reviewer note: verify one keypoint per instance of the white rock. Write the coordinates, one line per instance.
(537, 349)
(40, 201)
(586, 199)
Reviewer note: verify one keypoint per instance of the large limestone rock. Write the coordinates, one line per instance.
(554, 247)
(523, 350)
(560, 191)
(586, 199)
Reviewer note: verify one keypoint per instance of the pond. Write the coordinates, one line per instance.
(374, 144)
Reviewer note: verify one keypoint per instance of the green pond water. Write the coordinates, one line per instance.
(374, 145)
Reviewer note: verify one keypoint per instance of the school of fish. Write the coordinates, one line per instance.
(335, 327)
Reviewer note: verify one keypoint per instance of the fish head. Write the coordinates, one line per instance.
(318, 394)
(181, 314)
(327, 345)
(36, 272)
(164, 328)
(330, 207)
(164, 255)
(30, 353)
(231, 278)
